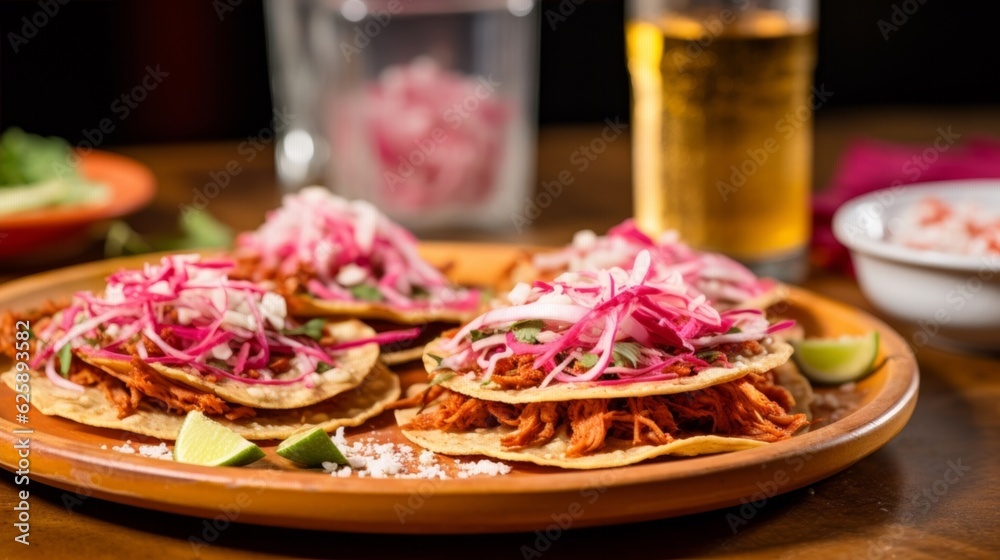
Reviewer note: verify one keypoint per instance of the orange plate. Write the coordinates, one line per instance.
(272, 492)
(131, 187)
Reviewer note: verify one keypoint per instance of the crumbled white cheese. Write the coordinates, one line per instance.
(219, 299)
(114, 294)
(390, 460)
(239, 320)
(125, 448)
(426, 457)
(519, 295)
(160, 451)
(351, 275)
(222, 351)
(274, 309)
(162, 288)
(584, 239)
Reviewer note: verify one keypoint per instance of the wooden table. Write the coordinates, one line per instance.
(930, 493)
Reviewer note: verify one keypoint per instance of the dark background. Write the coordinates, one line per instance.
(63, 80)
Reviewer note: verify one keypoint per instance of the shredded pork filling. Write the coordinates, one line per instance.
(249, 267)
(752, 407)
(519, 372)
(127, 389)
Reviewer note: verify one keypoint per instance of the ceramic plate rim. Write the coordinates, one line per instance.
(892, 405)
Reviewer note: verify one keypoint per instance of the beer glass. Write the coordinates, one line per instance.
(722, 107)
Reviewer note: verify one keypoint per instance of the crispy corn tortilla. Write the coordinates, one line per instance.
(409, 350)
(351, 368)
(777, 293)
(788, 376)
(307, 306)
(91, 407)
(777, 353)
(402, 356)
(615, 453)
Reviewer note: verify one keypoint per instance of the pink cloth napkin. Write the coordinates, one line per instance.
(868, 165)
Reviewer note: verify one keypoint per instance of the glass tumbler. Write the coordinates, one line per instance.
(722, 106)
(427, 109)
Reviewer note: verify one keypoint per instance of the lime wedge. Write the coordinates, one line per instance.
(204, 441)
(836, 360)
(311, 448)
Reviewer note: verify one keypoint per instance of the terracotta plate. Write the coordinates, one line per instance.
(272, 492)
(131, 187)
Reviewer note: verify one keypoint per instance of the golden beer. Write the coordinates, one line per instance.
(722, 125)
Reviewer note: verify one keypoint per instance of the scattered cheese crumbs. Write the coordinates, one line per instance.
(127, 448)
(160, 451)
(426, 457)
(391, 460)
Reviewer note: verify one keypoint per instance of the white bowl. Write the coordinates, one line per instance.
(950, 300)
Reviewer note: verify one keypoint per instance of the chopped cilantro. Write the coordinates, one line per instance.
(476, 334)
(441, 378)
(587, 360)
(366, 292)
(312, 328)
(65, 356)
(323, 367)
(527, 335)
(435, 358)
(527, 331)
(219, 364)
(627, 353)
(419, 292)
(709, 356)
(733, 330)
